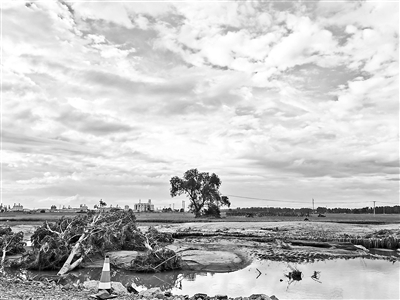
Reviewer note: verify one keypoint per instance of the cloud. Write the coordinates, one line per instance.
(279, 99)
(91, 123)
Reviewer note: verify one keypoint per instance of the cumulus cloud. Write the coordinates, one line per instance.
(283, 100)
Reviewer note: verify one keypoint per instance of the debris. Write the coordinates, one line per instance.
(158, 260)
(283, 245)
(103, 294)
(131, 289)
(295, 275)
(259, 297)
(315, 276)
(66, 243)
(167, 294)
(10, 243)
(259, 273)
(200, 296)
(150, 293)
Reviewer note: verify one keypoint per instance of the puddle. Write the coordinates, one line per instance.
(335, 279)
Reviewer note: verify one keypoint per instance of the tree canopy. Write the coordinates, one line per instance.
(202, 189)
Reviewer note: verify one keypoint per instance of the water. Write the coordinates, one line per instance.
(337, 279)
(340, 279)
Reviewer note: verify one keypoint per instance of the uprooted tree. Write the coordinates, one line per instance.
(10, 243)
(65, 244)
(202, 190)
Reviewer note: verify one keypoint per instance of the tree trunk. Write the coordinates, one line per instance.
(3, 258)
(67, 265)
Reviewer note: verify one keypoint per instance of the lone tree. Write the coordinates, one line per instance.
(202, 190)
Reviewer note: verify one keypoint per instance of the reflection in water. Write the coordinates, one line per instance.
(316, 276)
(335, 279)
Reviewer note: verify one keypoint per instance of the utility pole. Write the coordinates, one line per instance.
(313, 204)
(374, 207)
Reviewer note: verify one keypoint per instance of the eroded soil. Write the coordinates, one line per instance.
(271, 240)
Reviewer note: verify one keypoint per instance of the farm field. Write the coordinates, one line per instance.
(156, 217)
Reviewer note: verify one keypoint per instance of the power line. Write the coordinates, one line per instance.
(294, 201)
(388, 202)
(324, 202)
(265, 199)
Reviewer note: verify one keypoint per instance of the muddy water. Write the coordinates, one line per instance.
(335, 279)
(340, 279)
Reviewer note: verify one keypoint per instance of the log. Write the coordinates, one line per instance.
(310, 243)
(67, 265)
(337, 245)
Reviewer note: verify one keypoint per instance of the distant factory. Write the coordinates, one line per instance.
(142, 207)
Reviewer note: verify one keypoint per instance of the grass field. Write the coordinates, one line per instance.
(21, 218)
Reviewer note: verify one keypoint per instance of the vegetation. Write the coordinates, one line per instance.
(10, 243)
(159, 260)
(269, 211)
(284, 211)
(65, 244)
(202, 190)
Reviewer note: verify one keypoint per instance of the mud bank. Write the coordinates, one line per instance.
(285, 241)
(208, 258)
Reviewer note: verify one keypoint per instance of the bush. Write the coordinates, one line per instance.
(213, 211)
(11, 241)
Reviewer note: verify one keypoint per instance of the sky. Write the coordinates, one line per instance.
(285, 101)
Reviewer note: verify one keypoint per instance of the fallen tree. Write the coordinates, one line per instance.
(10, 243)
(65, 244)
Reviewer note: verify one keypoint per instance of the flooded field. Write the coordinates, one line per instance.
(335, 279)
(332, 278)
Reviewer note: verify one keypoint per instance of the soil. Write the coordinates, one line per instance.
(241, 243)
(271, 240)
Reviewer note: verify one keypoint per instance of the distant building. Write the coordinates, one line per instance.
(69, 209)
(83, 208)
(17, 207)
(141, 207)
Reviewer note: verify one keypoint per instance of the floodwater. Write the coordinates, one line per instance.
(333, 279)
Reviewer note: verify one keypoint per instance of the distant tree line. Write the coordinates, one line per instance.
(366, 210)
(285, 211)
(268, 211)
